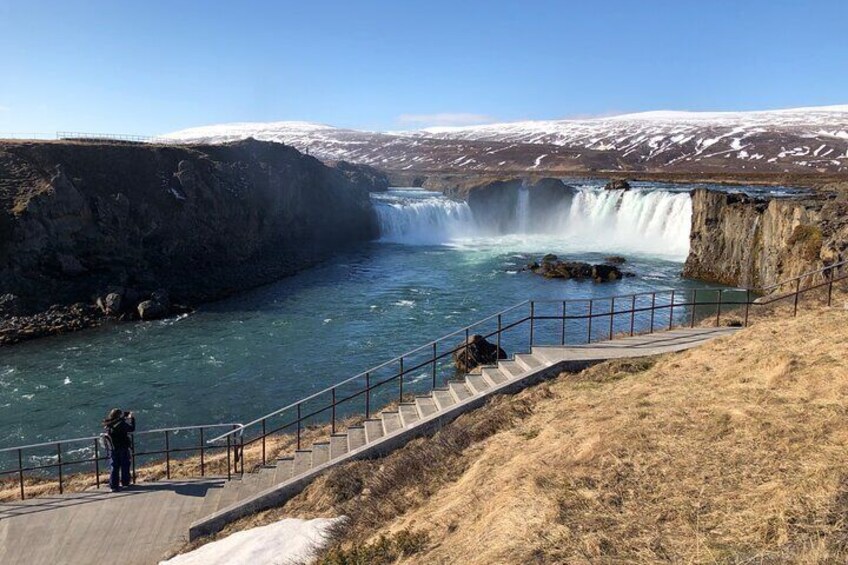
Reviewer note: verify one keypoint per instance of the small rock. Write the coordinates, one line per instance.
(477, 351)
(615, 260)
(617, 184)
(151, 310)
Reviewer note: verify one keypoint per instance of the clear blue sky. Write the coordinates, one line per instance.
(150, 66)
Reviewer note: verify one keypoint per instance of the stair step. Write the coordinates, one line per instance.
(356, 437)
(391, 422)
(338, 445)
(283, 472)
(426, 406)
(230, 494)
(210, 501)
(511, 369)
(373, 429)
(477, 383)
(443, 398)
(459, 390)
(265, 479)
(320, 453)
(529, 361)
(302, 461)
(408, 414)
(494, 375)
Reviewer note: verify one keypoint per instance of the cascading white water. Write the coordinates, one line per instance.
(654, 222)
(420, 217)
(522, 210)
(650, 222)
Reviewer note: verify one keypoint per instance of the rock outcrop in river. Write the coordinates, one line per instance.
(80, 220)
(744, 241)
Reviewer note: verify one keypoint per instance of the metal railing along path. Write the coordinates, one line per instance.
(86, 455)
(425, 368)
(581, 320)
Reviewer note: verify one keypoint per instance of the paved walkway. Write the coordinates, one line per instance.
(140, 525)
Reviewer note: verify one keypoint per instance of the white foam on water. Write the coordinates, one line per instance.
(639, 221)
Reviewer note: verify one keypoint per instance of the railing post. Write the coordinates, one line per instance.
(747, 304)
(718, 309)
(434, 363)
(167, 456)
(333, 413)
(299, 425)
(240, 450)
(229, 457)
(671, 312)
(532, 320)
(829, 285)
(797, 294)
(612, 315)
(263, 438)
(400, 393)
(61, 475)
(500, 330)
(562, 341)
(591, 308)
(202, 453)
(96, 464)
(653, 309)
(21, 472)
(132, 460)
(465, 347)
(367, 395)
(632, 314)
(694, 304)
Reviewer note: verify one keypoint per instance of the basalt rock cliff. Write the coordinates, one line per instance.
(744, 241)
(80, 220)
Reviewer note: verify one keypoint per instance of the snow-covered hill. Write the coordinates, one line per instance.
(779, 140)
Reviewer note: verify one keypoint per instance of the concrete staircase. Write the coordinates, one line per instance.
(273, 484)
(402, 421)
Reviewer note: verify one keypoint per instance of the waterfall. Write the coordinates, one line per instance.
(650, 222)
(420, 217)
(654, 222)
(522, 210)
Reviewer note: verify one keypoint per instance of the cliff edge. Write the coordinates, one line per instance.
(81, 220)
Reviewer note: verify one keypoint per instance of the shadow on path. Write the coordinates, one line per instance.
(193, 488)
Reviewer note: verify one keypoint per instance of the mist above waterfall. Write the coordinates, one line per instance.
(587, 219)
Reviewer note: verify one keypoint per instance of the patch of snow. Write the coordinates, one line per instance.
(539, 160)
(288, 541)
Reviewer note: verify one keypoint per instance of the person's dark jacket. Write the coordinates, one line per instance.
(120, 432)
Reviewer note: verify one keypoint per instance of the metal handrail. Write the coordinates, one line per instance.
(828, 268)
(138, 433)
(371, 370)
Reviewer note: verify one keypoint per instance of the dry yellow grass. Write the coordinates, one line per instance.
(736, 452)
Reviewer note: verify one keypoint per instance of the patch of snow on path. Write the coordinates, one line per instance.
(288, 541)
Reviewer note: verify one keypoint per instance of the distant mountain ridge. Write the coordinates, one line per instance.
(792, 140)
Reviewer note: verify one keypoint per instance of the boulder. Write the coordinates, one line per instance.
(553, 268)
(477, 351)
(111, 304)
(615, 260)
(605, 273)
(152, 310)
(617, 184)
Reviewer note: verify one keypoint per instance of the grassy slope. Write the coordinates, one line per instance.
(733, 452)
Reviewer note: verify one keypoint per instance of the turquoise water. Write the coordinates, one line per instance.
(239, 358)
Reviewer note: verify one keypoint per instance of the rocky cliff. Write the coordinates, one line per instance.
(743, 241)
(83, 219)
